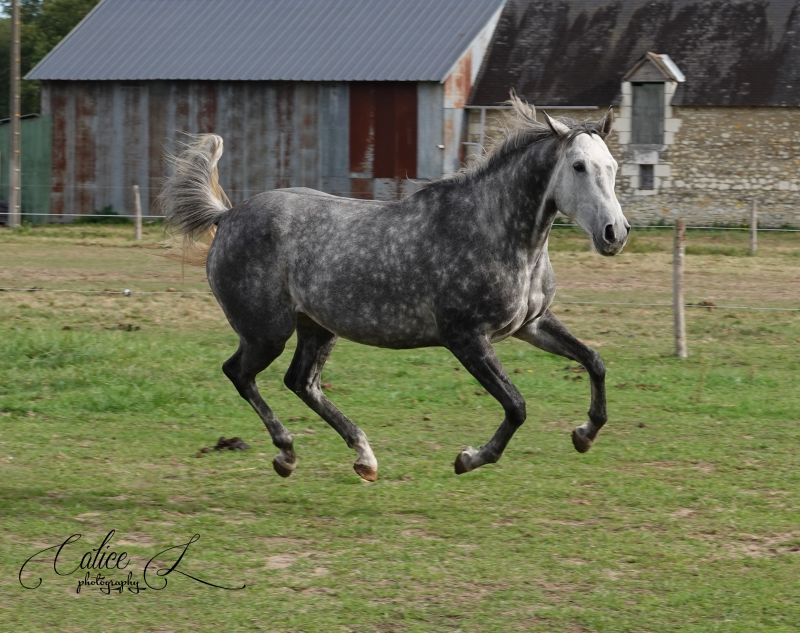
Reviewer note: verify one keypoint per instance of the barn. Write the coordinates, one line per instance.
(362, 98)
(707, 97)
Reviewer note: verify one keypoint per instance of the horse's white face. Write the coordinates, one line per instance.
(583, 188)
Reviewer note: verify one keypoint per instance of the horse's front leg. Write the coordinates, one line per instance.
(548, 333)
(477, 355)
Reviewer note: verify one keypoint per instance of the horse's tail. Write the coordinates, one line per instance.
(192, 198)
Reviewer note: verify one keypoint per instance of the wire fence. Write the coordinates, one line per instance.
(156, 218)
(128, 292)
(676, 304)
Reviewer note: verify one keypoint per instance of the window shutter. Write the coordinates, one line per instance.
(648, 114)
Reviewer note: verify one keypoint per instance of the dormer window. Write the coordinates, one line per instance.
(647, 125)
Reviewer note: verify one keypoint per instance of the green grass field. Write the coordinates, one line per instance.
(685, 515)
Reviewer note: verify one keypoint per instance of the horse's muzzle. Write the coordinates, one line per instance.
(613, 238)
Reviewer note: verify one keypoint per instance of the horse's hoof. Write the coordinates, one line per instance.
(367, 473)
(283, 468)
(463, 463)
(580, 440)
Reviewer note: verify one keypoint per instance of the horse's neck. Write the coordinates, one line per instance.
(514, 196)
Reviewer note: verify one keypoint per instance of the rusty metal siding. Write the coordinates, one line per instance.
(362, 140)
(61, 139)
(457, 87)
(85, 151)
(362, 130)
(334, 113)
(306, 124)
(284, 142)
(230, 125)
(116, 189)
(396, 130)
(158, 132)
(255, 153)
(108, 136)
(104, 135)
(383, 138)
(135, 146)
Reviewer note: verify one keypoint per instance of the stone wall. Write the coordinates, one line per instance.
(714, 163)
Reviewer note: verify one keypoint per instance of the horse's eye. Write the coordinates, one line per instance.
(579, 166)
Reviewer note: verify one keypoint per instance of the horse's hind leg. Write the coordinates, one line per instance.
(314, 345)
(242, 368)
(549, 334)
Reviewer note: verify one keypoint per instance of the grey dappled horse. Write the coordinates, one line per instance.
(462, 263)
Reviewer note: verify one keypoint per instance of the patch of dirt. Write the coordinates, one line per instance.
(280, 561)
(568, 522)
(282, 542)
(760, 546)
(575, 562)
(317, 591)
(419, 533)
(134, 538)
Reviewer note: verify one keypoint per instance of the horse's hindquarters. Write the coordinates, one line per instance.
(248, 280)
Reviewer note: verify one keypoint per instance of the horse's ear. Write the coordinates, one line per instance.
(606, 124)
(558, 128)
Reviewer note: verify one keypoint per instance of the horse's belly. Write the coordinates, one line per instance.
(378, 324)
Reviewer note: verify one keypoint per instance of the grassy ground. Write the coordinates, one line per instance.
(683, 517)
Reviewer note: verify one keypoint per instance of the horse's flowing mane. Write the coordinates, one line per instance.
(521, 130)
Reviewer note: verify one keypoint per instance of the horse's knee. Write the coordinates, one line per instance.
(596, 366)
(291, 381)
(307, 389)
(233, 370)
(517, 412)
(229, 368)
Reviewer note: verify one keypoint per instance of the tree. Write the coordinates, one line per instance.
(44, 24)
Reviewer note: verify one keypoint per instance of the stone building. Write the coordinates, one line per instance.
(706, 97)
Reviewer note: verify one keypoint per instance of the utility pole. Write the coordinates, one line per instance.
(14, 197)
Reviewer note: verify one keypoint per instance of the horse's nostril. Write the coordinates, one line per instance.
(608, 233)
(627, 229)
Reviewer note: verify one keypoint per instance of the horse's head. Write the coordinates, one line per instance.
(583, 183)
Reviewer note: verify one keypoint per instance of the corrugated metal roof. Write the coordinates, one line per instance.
(575, 52)
(268, 40)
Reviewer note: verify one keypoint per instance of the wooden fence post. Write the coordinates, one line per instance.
(754, 227)
(137, 220)
(677, 288)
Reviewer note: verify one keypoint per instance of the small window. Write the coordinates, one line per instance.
(646, 178)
